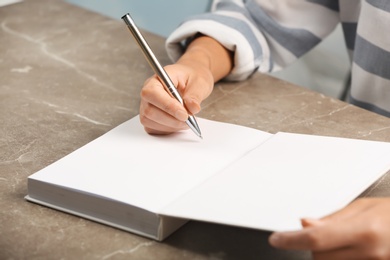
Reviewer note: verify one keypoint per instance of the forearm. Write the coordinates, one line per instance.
(209, 53)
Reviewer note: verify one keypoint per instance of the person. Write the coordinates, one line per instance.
(238, 38)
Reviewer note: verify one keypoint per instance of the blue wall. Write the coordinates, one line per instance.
(158, 16)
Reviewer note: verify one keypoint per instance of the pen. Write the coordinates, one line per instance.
(158, 69)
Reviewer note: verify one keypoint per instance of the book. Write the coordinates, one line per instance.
(152, 185)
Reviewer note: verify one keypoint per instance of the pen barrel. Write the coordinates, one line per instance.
(151, 58)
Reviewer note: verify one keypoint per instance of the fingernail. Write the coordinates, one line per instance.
(181, 115)
(307, 222)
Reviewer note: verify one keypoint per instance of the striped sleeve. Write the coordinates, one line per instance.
(370, 86)
(264, 35)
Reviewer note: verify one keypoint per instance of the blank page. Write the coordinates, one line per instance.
(131, 166)
(288, 177)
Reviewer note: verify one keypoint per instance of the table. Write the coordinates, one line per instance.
(68, 75)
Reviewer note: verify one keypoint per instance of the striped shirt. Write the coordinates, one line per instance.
(267, 35)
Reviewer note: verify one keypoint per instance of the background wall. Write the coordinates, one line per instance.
(158, 16)
(324, 69)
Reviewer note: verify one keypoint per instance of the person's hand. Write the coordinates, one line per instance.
(160, 113)
(205, 61)
(359, 231)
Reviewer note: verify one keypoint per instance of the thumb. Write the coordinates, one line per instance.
(192, 105)
(194, 96)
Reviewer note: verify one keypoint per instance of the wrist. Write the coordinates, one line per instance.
(196, 59)
(211, 55)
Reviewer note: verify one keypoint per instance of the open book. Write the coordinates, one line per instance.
(151, 185)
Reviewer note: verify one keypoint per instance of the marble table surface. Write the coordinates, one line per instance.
(68, 75)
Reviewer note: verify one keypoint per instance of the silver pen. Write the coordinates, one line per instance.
(158, 69)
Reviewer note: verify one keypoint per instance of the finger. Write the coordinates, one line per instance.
(157, 132)
(153, 118)
(152, 127)
(154, 93)
(298, 240)
(316, 238)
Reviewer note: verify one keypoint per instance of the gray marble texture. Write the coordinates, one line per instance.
(68, 75)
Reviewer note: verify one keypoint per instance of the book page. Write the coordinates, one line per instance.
(288, 177)
(147, 171)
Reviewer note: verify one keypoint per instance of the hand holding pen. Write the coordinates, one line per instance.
(165, 81)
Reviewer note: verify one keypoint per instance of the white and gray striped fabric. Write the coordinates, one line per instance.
(267, 35)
